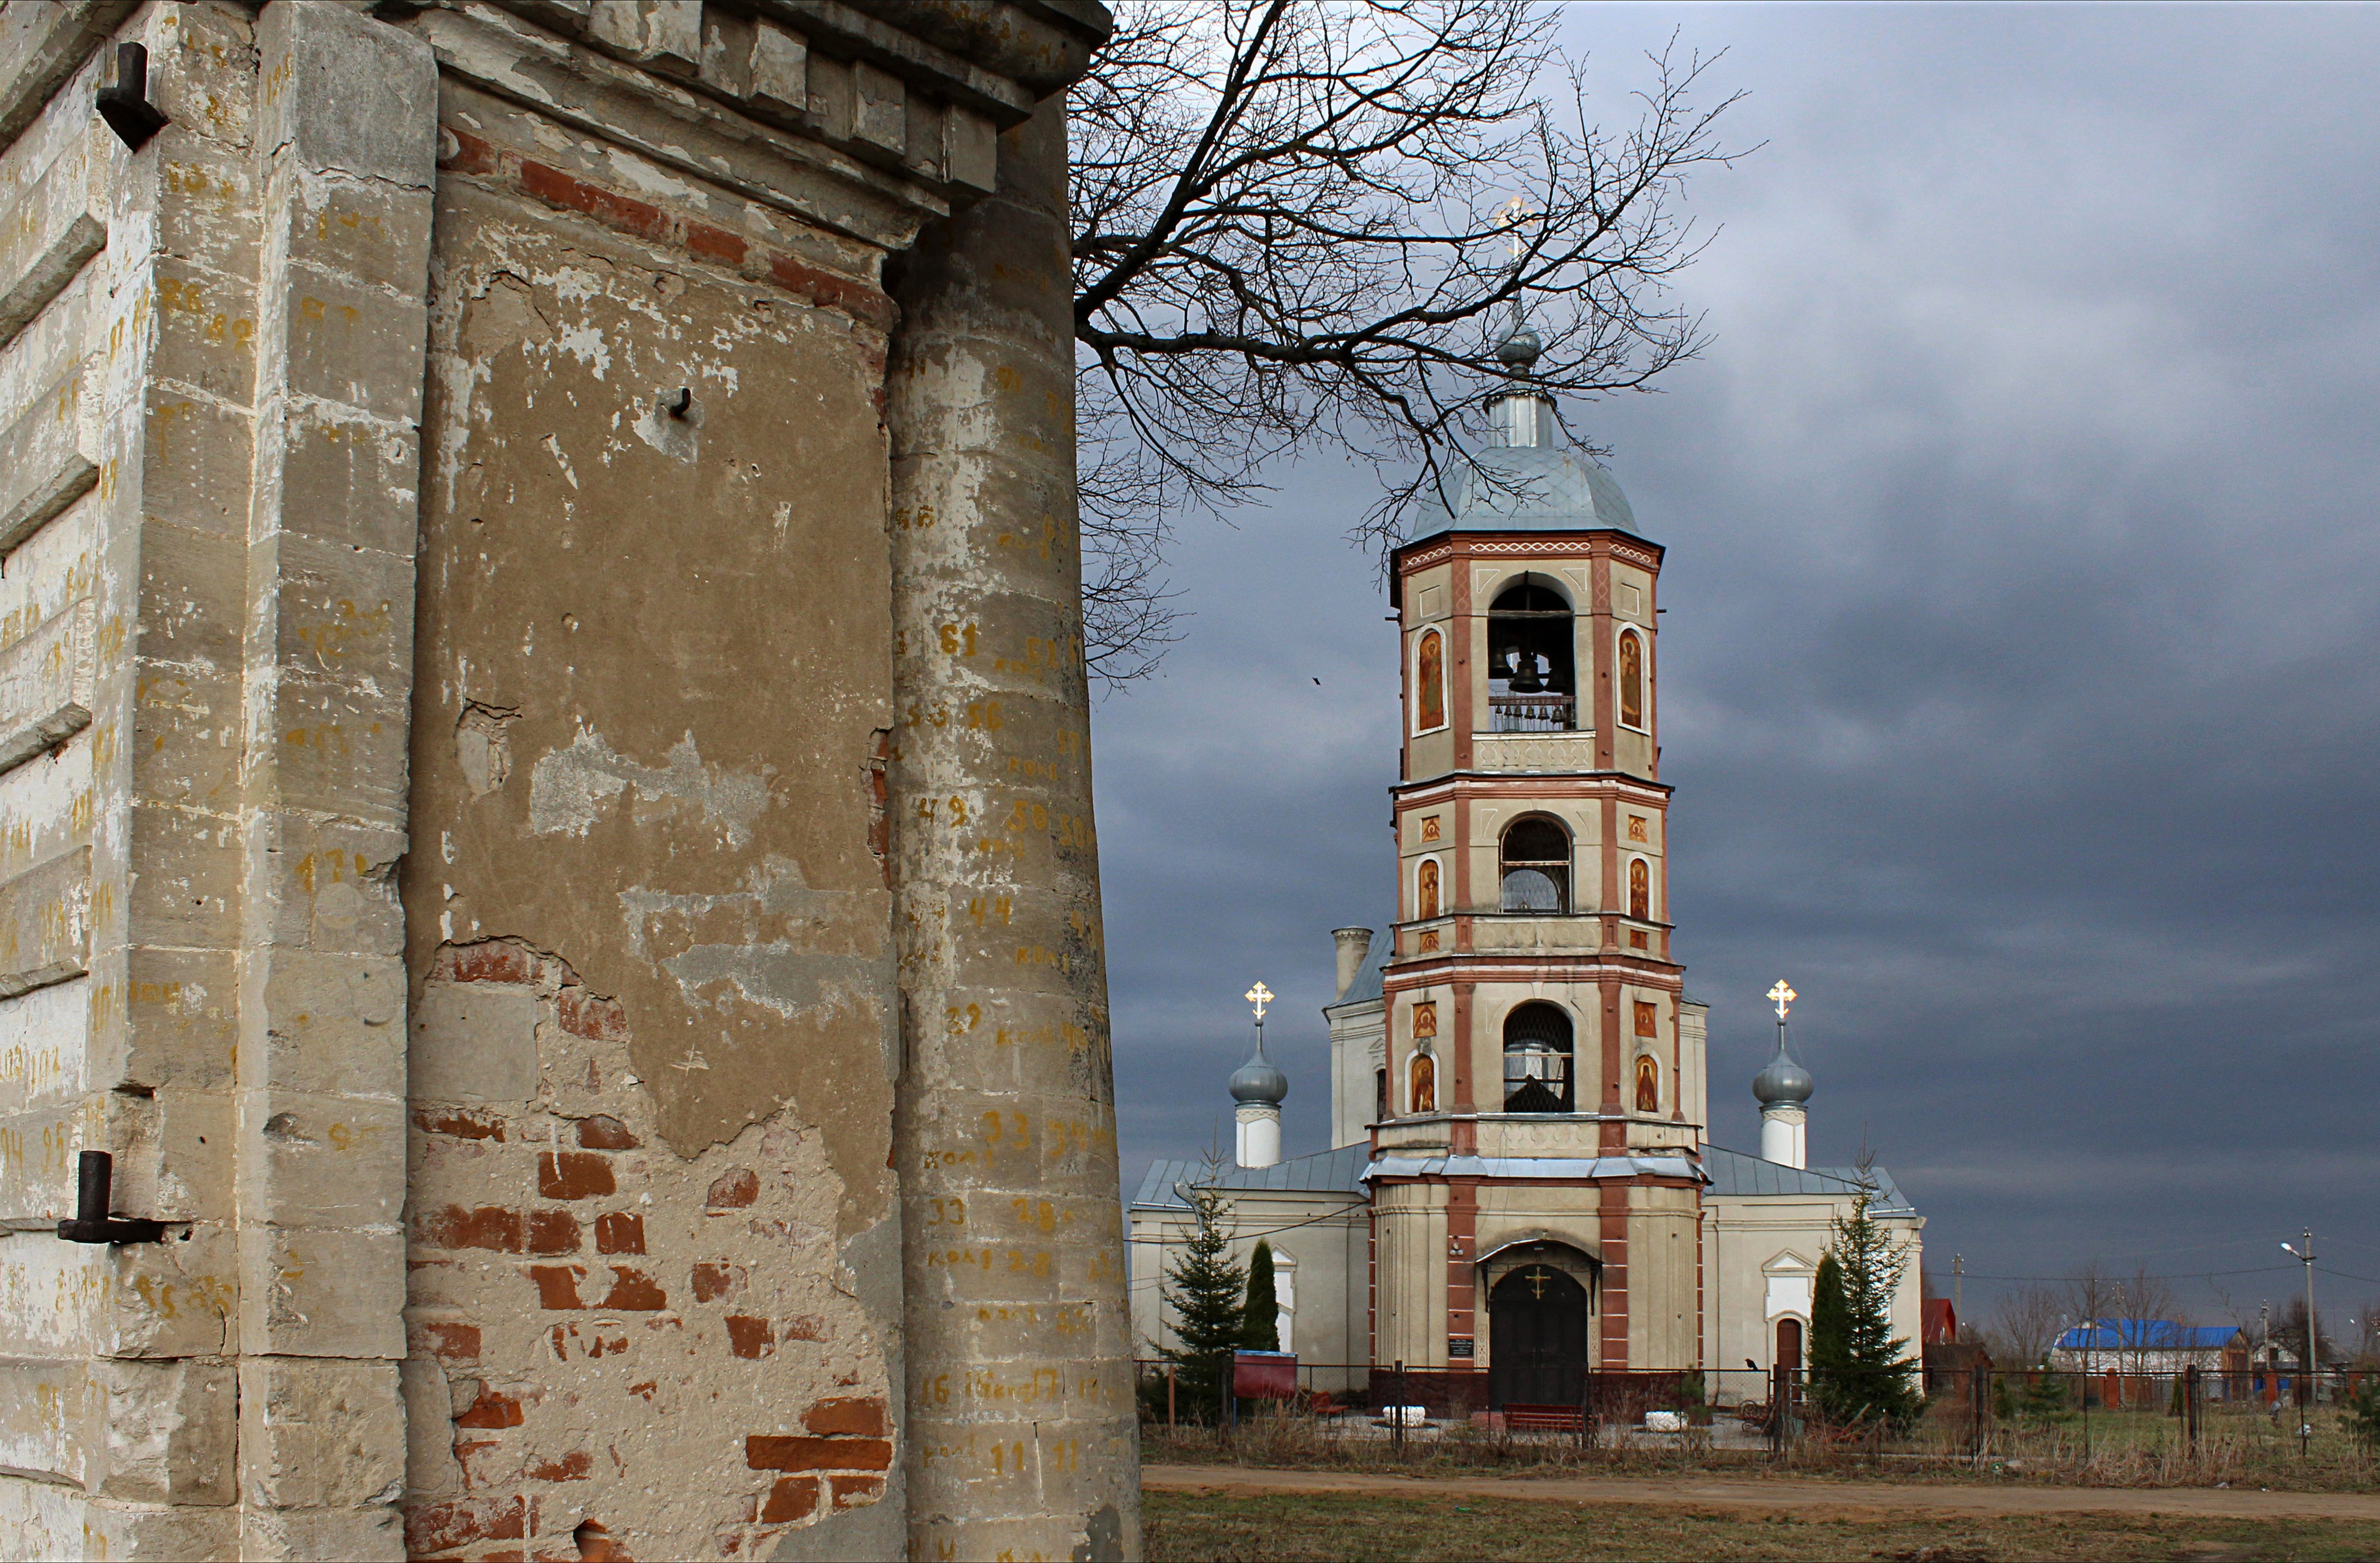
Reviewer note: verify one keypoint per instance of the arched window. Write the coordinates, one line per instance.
(1632, 679)
(1423, 1073)
(1648, 1083)
(1640, 890)
(1537, 1060)
(1530, 659)
(1536, 866)
(1430, 681)
(1426, 891)
(1379, 1095)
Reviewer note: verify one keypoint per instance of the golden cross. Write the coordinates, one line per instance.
(1259, 995)
(1538, 1282)
(1782, 997)
(1515, 212)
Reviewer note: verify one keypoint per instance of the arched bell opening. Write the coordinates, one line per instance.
(1535, 866)
(1532, 658)
(1537, 1060)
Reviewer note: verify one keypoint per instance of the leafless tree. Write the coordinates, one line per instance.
(2151, 1300)
(2025, 1324)
(1299, 221)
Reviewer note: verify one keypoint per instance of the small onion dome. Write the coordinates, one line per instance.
(1783, 1082)
(1257, 1081)
(1520, 347)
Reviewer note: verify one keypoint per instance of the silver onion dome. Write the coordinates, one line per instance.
(1783, 1082)
(1258, 1080)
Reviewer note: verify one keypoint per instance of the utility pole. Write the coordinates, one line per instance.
(1957, 1293)
(2310, 1369)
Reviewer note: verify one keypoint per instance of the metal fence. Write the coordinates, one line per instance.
(1978, 1414)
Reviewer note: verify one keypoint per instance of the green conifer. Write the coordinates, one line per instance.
(1261, 1320)
(1858, 1371)
(1204, 1289)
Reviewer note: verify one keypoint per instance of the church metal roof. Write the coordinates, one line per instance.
(2149, 1335)
(1526, 489)
(1733, 1173)
(1339, 1171)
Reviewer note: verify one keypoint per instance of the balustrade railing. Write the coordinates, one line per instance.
(1531, 713)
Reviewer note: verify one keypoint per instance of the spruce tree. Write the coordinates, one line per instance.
(1827, 1329)
(1859, 1374)
(1261, 1320)
(1204, 1289)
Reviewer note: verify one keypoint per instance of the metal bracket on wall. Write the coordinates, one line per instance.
(125, 105)
(91, 1222)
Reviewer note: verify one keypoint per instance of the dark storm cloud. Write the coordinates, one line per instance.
(2019, 680)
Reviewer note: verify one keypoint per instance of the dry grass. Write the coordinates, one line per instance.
(1361, 1528)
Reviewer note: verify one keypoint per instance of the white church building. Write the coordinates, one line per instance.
(1520, 1178)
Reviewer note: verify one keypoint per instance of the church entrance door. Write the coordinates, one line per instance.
(1537, 1338)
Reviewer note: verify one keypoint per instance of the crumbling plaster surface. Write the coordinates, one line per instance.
(652, 1211)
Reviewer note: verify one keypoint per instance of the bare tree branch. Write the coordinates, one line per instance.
(1294, 223)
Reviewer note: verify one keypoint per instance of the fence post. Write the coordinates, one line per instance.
(1169, 1399)
(1396, 1410)
(2190, 1390)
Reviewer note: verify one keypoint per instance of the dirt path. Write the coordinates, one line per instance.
(1802, 1497)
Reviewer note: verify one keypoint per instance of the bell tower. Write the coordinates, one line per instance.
(1546, 1074)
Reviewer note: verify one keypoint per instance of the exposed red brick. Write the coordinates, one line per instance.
(492, 1409)
(447, 1339)
(490, 1227)
(735, 1190)
(791, 1498)
(748, 1337)
(778, 1451)
(850, 1492)
(836, 293)
(619, 1232)
(442, 1527)
(598, 1020)
(606, 1134)
(462, 1123)
(496, 960)
(472, 155)
(633, 1290)
(557, 1285)
(572, 1467)
(552, 1231)
(488, 1464)
(572, 1174)
(803, 1326)
(716, 1280)
(553, 187)
(848, 1414)
(707, 243)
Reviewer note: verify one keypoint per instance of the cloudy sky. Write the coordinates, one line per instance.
(2019, 676)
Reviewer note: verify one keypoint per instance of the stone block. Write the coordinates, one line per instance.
(321, 1291)
(322, 1161)
(45, 1068)
(430, 1470)
(329, 1024)
(41, 45)
(318, 1433)
(184, 891)
(341, 614)
(375, 1534)
(180, 1019)
(174, 1154)
(170, 1431)
(341, 750)
(46, 682)
(47, 1408)
(45, 923)
(45, 238)
(366, 233)
(50, 1289)
(351, 343)
(474, 1042)
(206, 330)
(779, 71)
(970, 148)
(344, 91)
(174, 1299)
(348, 480)
(331, 889)
(185, 749)
(193, 598)
(48, 459)
(879, 111)
(664, 34)
(195, 459)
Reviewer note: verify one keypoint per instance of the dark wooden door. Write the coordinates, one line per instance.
(1537, 1338)
(1788, 1344)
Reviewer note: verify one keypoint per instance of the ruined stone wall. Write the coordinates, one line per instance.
(446, 699)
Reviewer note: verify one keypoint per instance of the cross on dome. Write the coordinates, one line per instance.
(1782, 997)
(1259, 995)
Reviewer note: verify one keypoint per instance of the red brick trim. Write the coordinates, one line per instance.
(702, 241)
